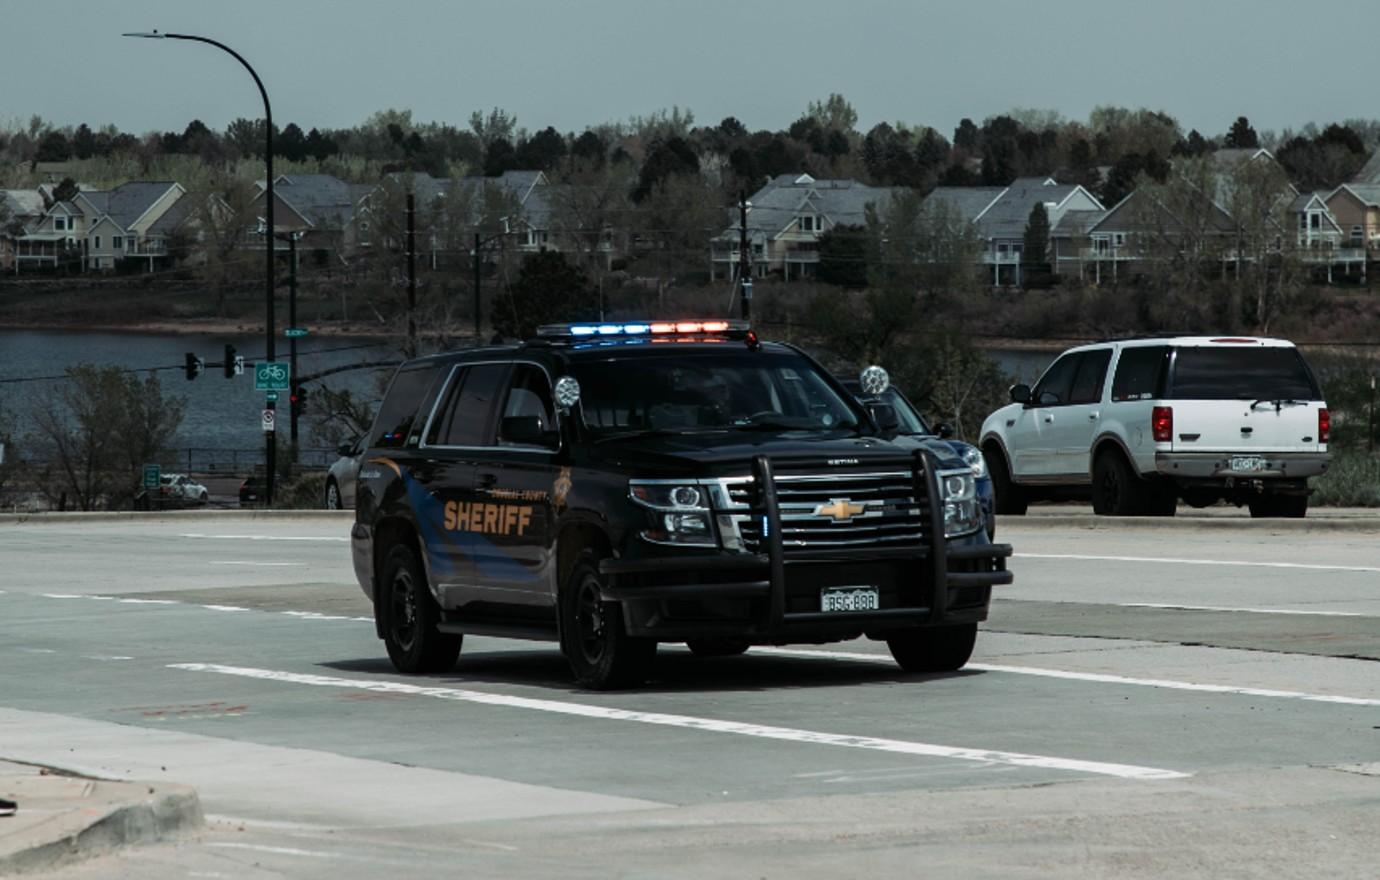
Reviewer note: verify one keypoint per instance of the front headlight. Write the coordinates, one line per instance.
(972, 456)
(678, 512)
(958, 490)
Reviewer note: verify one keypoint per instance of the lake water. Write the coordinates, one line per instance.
(222, 414)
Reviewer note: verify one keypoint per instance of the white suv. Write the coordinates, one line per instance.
(1195, 418)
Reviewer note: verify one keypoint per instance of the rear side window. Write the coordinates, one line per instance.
(1255, 373)
(465, 418)
(1092, 370)
(399, 422)
(1140, 373)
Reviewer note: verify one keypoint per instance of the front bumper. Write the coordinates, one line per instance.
(775, 598)
(1215, 467)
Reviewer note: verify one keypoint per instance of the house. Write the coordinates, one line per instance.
(1001, 225)
(123, 224)
(1355, 209)
(785, 221)
(321, 209)
(19, 208)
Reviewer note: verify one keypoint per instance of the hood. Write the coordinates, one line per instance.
(721, 452)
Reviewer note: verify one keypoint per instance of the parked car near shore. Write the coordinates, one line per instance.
(182, 489)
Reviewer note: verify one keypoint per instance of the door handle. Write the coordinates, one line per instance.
(1049, 419)
(1092, 416)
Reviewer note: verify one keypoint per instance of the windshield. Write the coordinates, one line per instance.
(1273, 373)
(709, 391)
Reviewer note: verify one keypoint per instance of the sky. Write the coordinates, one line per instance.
(575, 63)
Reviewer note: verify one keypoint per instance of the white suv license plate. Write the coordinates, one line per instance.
(1247, 463)
(850, 599)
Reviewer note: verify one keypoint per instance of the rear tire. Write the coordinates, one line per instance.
(1116, 490)
(1010, 498)
(940, 649)
(1279, 506)
(332, 495)
(410, 616)
(718, 647)
(600, 652)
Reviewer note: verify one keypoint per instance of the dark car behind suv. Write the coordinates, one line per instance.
(615, 486)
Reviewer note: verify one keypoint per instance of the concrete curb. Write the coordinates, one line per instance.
(64, 818)
(172, 515)
(1362, 523)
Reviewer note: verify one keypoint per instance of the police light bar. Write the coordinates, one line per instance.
(646, 329)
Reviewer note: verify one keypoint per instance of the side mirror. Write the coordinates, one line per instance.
(1020, 393)
(944, 430)
(347, 449)
(525, 431)
(884, 414)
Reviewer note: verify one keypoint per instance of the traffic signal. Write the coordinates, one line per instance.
(231, 365)
(194, 366)
(299, 400)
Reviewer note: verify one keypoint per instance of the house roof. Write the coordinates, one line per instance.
(969, 201)
(1076, 223)
(126, 203)
(785, 197)
(323, 200)
(1367, 193)
(172, 218)
(1232, 155)
(22, 202)
(1008, 215)
(1370, 172)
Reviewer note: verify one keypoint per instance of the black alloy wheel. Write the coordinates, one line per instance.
(1116, 490)
(410, 617)
(600, 652)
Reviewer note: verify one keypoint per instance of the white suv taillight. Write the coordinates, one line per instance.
(1162, 424)
(1324, 425)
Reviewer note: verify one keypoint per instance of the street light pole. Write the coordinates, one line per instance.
(271, 445)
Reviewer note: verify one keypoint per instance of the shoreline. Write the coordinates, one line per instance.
(196, 327)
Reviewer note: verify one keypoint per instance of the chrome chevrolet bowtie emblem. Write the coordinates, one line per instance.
(840, 509)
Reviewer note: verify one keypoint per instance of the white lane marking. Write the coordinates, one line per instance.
(149, 602)
(316, 615)
(62, 596)
(985, 756)
(264, 537)
(278, 850)
(106, 657)
(1089, 676)
(246, 562)
(38, 650)
(1177, 561)
(223, 607)
(1305, 612)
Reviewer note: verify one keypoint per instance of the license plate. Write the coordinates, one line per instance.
(1247, 463)
(850, 599)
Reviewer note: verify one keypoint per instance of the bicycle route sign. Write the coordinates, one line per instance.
(271, 376)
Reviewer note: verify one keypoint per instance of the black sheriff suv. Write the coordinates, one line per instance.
(612, 486)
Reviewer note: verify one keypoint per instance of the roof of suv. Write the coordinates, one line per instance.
(1190, 341)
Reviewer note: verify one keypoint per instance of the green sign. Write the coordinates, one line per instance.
(271, 376)
(152, 474)
(295, 332)
(271, 396)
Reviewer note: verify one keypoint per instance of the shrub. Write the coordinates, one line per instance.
(1353, 480)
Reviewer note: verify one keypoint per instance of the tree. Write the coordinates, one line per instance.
(843, 256)
(666, 158)
(66, 190)
(497, 126)
(592, 202)
(833, 113)
(94, 435)
(543, 150)
(53, 148)
(678, 217)
(1241, 135)
(223, 212)
(1035, 250)
(548, 290)
(1268, 266)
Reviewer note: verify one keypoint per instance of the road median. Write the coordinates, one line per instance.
(1342, 519)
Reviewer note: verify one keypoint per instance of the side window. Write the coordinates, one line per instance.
(1140, 373)
(1055, 384)
(529, 394)
(399, 422)
(1087, 385)
(467, 419)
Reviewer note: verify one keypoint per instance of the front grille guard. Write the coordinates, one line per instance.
(925, 484)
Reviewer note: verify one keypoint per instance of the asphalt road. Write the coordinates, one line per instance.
(1178, 701)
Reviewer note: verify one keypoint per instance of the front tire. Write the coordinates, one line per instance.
(939, 649)
(410, 617)
(1010, 498)
(332, 495)
(601, 654)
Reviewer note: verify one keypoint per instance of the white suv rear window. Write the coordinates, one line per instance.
(1271, 373)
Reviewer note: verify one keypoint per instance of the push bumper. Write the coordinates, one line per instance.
(773, 597)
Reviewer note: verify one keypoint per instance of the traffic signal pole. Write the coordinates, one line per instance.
(292, 342)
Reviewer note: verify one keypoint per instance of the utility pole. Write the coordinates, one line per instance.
(477, 335)
(411, 277)
(744, 258)
(292, 341)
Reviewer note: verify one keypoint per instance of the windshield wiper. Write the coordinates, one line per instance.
(1279, 402)
(654, 432)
